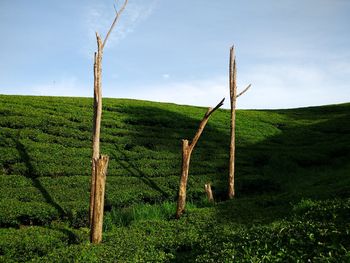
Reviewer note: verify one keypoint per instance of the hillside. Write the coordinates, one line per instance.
(292, 176)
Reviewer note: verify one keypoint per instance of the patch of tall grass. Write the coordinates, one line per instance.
(141, 212)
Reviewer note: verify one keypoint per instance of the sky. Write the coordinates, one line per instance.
(295, 53)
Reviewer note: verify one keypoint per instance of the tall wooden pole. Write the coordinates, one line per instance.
(99, 162)
(96, 121)
(233, 97)
(233, 100)
(187, 149)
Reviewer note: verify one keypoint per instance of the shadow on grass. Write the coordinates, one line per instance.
(151, 149)
(134, 171)
(31, 174)
(309, 159)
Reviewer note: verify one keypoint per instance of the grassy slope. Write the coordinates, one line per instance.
(283, 157)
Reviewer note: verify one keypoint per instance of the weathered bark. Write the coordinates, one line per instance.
(233, 97)
(100, 165)
(207, 188)
(96, 120)
(186, 156)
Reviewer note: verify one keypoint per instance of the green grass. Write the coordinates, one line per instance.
(120, 217)
(292, 183)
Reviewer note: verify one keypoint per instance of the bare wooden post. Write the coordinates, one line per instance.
(233, 98)
(96, 121)
(207, 188)
(99, 163)
(233, 94)
(186, 156)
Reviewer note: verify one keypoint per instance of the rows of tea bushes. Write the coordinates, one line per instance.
(45, 144)
(285, 158)
(316, 231)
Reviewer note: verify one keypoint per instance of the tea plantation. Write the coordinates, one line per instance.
(292, 183)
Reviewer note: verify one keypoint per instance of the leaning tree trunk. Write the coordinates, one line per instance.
(186, 156)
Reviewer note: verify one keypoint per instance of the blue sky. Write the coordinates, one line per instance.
(293, 52)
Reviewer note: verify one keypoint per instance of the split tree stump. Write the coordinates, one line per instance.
(209, 192)
(101, 165)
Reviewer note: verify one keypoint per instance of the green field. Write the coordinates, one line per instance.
(292, 183)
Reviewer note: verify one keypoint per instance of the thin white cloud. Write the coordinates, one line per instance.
(273, 86)
(166, 76)
(201, 92)
(291, 85)
(98, 18)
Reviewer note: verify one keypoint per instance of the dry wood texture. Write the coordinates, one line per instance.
(96, 121)
(186, 157)
(99, 163)
(209, 192)
(233, 99)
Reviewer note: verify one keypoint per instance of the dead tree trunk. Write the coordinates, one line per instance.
(186, 156)
(233, 94)
(96, 121)
(100, 166)
(207, 188)
(99, 162)
(233, 99)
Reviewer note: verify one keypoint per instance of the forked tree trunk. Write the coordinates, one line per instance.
(233, 99)
(186, 156)
(207, 188)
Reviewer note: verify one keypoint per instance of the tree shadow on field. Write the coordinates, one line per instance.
(31, 174)
(149, 146)
(307, 159)
(132, 169)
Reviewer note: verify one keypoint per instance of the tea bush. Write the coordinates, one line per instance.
(292, 183)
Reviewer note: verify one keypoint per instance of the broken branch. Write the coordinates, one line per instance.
(117, 15)
(244, 91)
(210, 110)
(203, 123)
